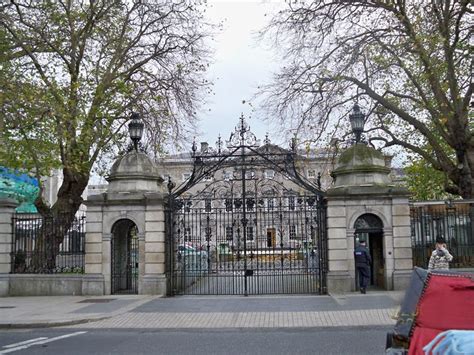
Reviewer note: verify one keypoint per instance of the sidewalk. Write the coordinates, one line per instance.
(132, 311)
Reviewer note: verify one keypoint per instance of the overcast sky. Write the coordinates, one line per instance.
(240, 65)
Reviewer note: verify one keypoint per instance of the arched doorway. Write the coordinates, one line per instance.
(125, 259)
(369, 227)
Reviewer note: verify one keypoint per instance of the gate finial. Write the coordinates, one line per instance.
(242, 136)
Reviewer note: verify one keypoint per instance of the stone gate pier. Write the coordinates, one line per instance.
(125, 240)
(365, 204)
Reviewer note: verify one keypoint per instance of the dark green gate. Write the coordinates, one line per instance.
(255, 227)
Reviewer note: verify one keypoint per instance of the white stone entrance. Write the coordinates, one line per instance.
(363, 187)
(134, 199)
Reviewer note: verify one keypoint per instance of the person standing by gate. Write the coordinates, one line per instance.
(440, 258)
(362, 263)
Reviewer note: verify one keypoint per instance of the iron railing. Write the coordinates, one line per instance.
(260, 229)
(125, 258)
(452, 220)
(275, 249)
(36, 251)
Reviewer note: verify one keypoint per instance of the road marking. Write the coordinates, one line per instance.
(38, 342)
(24, 342)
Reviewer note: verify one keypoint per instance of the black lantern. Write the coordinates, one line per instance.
(357, 122)
(135, 129)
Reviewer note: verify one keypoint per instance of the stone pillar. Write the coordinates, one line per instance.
(389, 256)
(154, 278)
(93, 281)
(362, 186)
(338, 278)
(7, 210)
(403, 256)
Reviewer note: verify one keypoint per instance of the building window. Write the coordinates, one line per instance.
(312, 174)
(187, 234)
(229, 234)
(291, 203)
(249, 174)
(186, 176)
(292, 231)
(187, 206)
(250, 233)
(269, 174)
(207, 205)
(228, 205)
(270, 203)
(250, 203)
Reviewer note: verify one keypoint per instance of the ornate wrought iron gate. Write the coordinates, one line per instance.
(124, 247)
(244, 234)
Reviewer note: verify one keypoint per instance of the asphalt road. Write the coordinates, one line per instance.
(223, 341)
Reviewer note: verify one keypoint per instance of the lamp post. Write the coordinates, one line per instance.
(135, 129)
(357, 122)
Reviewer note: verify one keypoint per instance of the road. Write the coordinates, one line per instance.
(352, 340)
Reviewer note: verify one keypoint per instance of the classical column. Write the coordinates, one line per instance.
(338, 278)
(153, 280)
(403, 257)
(93, 280)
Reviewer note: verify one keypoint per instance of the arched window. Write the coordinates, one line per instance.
(368, 221)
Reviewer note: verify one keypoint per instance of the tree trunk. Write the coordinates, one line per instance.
(466, 173)
(58, 220)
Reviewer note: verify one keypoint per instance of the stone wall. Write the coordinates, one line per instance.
(393, 211)
(45, 285)
(7, 209)
(146, 211)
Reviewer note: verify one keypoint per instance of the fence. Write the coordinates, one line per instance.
(452, 220)
(33, 245)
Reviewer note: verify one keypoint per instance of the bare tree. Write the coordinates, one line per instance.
(409, 63)
(75, 69)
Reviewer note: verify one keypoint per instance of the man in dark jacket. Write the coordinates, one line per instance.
(362, 263)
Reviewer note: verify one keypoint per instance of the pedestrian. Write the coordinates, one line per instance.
(440, 257)
(362, 263)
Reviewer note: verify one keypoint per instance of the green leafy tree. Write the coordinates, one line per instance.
(74, 70)
(408, 63)
(424, 182)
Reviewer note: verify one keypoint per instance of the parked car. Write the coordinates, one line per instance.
(185, 249)
(225, 252)
(191, 258)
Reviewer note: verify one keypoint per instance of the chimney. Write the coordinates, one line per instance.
(388, 161)
(204, 147)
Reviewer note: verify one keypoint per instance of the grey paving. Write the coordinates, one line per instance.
(151, 312)
(222, 320)
(193, 304)
(108, 307)
(257, 284)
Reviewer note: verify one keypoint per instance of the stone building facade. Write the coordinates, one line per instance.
(271, 193)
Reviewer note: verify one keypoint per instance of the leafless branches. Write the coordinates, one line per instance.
(408, 62)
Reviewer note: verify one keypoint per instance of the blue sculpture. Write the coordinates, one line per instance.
(20, 187)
